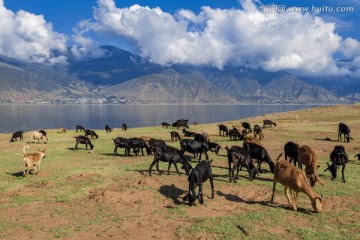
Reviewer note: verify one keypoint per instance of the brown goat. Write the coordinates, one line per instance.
(295, 181)
(308, 157)
(206, 136)
(250, 139)
(63, 130)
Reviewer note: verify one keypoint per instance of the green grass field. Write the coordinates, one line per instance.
(83, 195)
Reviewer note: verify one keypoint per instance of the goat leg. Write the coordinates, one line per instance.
(200, 193)
(343, 172)
(212, 186)
(273, 192)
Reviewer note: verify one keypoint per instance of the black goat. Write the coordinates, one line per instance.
(91, 133)
(174, 136)
(338, 157)
(188, 134)
(83, 140)
(238, 157)
(124, 127)
(80, 128)
(181, 123)
(258, 131)
(200, 174)
(247, 126)
(260, 154)
(343, 129)
(214, 147)
(137, 144)
(291, 150)
(194, 147)
(107, 128)
(224, 129)
(234, 134)
(268, 123)
(16, 135)
(153, 143)
(119, 143)
(358, 156)
(165, 124)
(172, 156)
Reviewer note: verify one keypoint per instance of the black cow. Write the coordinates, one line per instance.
(16, 135)
(343, 129)
(238, 157)
(258, 131)
(200, 174)
(107, 128)
(224, 129)
(83, 140)
(91, 133)
(291, 150)
(268, 123)
(119, 143)
(194, 147)
(80, 128)
(260, 154)
(338, 157)
(137, 144)
(165, 124)
(174, 136)
(124, 126)
(172, 156)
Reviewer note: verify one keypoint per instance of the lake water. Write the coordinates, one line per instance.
(15, 117)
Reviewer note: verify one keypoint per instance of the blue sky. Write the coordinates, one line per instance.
(203, 32)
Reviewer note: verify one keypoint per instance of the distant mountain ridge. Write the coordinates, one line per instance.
(121, 76)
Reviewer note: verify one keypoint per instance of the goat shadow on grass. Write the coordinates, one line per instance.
(234, 198)
(146, 172)
(17, 174)
(325, 139)
(172, 192)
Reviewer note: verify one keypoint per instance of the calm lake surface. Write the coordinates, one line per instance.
(15, 117)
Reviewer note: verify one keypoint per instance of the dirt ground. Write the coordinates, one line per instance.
(133, 205)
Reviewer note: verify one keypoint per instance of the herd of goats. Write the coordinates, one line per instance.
(291, 176)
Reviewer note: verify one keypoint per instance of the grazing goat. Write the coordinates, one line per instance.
(197, 177)
(239, 157)
(124, 127)
(32, 159)
(156, 143)
(83, 140)
(119, 143)
(206, 136)
(165, 124)
(63, 130)
(174, 136)
(250, 139)
(137, 144)
(234, 134)
(39, 135)
(247, 126)
(107, 128)
(172, 156)
(146, 139)
(181, 123)
(295, 181)
(268, 123)
(338, 157)
(291, 150)
(223, 129)
(358, 156)
(260, 154)
(308, 157)
(188, 134)
(18, 134)
(91, 133)
(258, 131)
(194, 147)
(214, 147)
(343, 129)
(80, 128)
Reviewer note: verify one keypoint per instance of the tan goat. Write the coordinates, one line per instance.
(35, 135)
(63, 130)
(295, 181)
(308, 157)
(250, 139)
(146, 139)
(206, 136)
(32, 160)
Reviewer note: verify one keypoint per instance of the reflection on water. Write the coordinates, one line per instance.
(14, 117)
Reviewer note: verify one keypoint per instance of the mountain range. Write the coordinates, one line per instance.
(121, 76)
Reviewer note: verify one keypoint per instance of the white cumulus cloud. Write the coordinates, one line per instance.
(299, 42)
(28, 37)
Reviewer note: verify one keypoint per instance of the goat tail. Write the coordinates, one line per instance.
(24, 150)
(278, 158)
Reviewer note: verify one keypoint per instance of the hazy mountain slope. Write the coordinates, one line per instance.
(168, 87)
